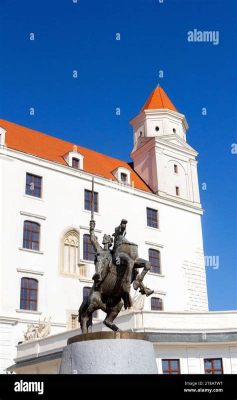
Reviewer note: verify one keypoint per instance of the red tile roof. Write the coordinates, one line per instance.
(50, 148)
(158, 99)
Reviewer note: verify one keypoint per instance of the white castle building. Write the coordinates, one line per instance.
(46, 259)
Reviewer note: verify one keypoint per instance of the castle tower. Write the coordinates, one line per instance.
(161, 154)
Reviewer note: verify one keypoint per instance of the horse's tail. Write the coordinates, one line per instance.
(82, 310)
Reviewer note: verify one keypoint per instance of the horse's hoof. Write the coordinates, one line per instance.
(136, 285)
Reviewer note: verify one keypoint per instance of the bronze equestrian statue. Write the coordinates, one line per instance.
(115, 271)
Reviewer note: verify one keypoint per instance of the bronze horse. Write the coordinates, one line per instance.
(113, 291)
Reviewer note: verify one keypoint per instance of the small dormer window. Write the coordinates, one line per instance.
(75, 163)
(174, 130)
(74, 159)
(157, 128)
(124, 177)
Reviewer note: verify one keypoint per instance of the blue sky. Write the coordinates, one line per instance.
(81, 36)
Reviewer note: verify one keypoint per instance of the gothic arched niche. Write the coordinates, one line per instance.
(70, 252)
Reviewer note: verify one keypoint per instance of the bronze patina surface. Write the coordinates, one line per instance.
(117, 267)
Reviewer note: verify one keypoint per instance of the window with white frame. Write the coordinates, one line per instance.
(154, 259)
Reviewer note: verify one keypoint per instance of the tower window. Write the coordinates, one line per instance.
(152, 217)
(124, 177)
(75, 163)
(174, 130)
(175, 168)
(154, 259)
(140, 134)
(156, 304)
(29, 294)
(88, 200)
(170, 366)
(177, 192)
(157, 128)
(213, 366)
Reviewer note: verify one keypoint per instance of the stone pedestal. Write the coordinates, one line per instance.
(109, 353)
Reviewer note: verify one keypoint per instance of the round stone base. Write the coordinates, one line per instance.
(109, 353)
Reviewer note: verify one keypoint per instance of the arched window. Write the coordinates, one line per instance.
(70, 253)
(154, 258)
(88, 249)
(29, 294)
(31, 235)
(156, 304)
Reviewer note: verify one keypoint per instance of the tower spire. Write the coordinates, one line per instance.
(158, 100)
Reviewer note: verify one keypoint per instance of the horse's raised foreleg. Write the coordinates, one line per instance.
(112, 313)
(141, 263)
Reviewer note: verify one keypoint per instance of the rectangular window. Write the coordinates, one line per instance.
(175, 168)
(74, 321)
(124, 177)
(170, 366)
(213, 366)
(88, 249)
(29, 294)
(75, 163)
(154, 259)
(31, 235)
(177, 190)
(33, 185)
(156, 304)
(152, 217)
(88, 200)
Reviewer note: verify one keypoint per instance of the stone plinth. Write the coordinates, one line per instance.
(109, 353)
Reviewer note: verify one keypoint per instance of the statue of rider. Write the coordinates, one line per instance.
(119, 238)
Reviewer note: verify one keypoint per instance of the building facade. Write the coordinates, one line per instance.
(46, 259)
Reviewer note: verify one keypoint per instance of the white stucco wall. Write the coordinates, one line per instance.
(179, 239)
